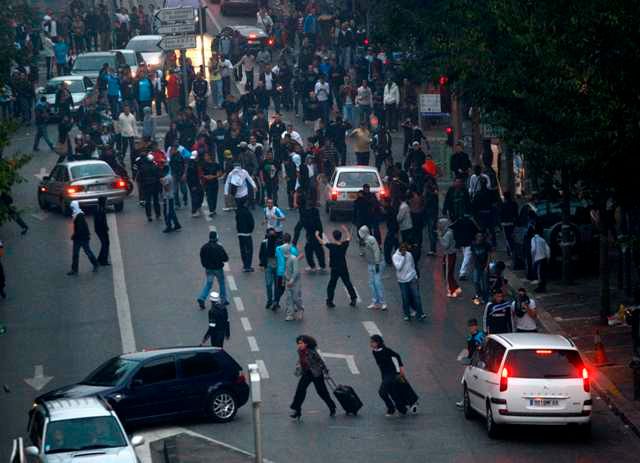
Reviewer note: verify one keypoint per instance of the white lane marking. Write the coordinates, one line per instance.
(350, 359)
(253, 344)
(39, 380)
(262, 367)
(246, 324)
(349, 296)
(238, 302)
(372, 328)
(232, 283)
(226, 267)
(123, 309)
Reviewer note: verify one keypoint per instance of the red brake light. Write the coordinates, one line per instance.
(252, 36)
(75, 189)
(270, 41)
(334, 194)
(43, 189)
(544, 352)
(449, 130)
(504, 379)
(120, 183)
(585, 380)
(241, 379)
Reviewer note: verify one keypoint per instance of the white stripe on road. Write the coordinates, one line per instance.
(246, 325)
(238, 302)
(232, 283)
(350, 359)
(253, 344)
(123, 309)
(264, 373)
(372, 328)
(351, 363)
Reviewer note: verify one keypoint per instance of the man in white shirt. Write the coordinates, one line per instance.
(408, 282)
(364, 101)
(524, 312)
(237, 184)
(474, 181)
(295, 136)
(273, 217)
(391, 100)
(128, 130)
(322, 93)
(540, 254)
(226, 68)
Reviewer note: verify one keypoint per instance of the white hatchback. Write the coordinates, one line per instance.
(528, 378)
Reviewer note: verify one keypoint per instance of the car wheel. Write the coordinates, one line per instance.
(222, 406)
(43, 203)
(466, 404)
(493, 430)
(119, 206)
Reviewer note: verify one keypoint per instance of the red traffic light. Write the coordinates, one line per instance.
(443, 80)
(449, 130)
(365, 42)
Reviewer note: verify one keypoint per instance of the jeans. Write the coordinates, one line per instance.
(208, 283)
(364, 113)
(216, 93)
(41, 132)
(197, 196)
(180, 186)
(270, 283)
(540, 269)
(481, 282)
(343, 274)
(375, 283)
(301, 391)
(84, 245)
(211, 190)
(410, 293)
(114, 105)
(466, 261)
(362, 159)
(246, 250)
(325, 109)
(128, 143)
(169, 212)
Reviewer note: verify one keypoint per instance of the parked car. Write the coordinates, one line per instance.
(528, 378)
(81, 87)
(346, 181)
(89, 64)
(147, 47)
(165, 383)
(238, 7)
(86, 429)
(82, 181)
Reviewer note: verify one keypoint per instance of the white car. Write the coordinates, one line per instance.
(147, 46)
(344, 185)
(84, 429)
(81, 87)
(528, 378)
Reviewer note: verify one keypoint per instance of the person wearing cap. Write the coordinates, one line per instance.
(80, 237)
(460, 163)
(237, 184)
(212, 257)
(149, 177)
(218, 328)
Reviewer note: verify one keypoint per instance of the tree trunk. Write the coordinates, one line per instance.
(476, 136)
(456, 117)
(566, 227)
(605, 291)
(507, 181)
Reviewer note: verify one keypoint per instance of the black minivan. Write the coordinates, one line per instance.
(165, 383)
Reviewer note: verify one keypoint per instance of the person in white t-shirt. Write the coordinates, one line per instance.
(273, 217)
(322, 93)
(524, 312)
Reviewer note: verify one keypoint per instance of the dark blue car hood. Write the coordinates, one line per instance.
(75, 391)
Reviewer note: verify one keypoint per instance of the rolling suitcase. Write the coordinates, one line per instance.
(403, 394)
(347, 397)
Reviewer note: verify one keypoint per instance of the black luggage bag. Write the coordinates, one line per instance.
(402, 393)
(347, 397)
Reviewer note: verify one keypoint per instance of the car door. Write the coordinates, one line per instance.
(472, 378)
(59, 176)
(151, 391)
(489, 376)
(197, 372)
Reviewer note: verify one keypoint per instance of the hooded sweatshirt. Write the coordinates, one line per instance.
(239, 178)
(371, 248)
(281, 260)
(80, 227)
(292, 267)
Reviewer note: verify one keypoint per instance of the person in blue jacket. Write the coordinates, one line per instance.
(281, 262)
(113, 93)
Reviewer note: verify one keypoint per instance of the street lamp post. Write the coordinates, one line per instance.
(256, 400)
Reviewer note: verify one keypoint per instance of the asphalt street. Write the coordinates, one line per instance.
(62, 327)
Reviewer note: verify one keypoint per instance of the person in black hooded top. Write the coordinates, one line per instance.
(391, 366)
(81, 236)
(102, 230)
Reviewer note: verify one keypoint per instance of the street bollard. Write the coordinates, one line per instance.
(256, 400)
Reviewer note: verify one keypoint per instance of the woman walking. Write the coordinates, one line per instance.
(311, 369)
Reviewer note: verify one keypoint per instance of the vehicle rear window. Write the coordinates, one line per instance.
(83, 434)
(111, 372)
(90, 170)
(147, 46)
(357, 179)
(93, 63)
(75, 86)
(544, 363)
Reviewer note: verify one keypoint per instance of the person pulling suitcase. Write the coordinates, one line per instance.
(395, 390)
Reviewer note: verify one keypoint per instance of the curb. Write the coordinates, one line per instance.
(619, 405)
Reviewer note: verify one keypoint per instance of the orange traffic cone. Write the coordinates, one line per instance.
(600, 357)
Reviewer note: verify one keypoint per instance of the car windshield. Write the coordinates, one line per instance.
(90, 170)
(130, 59)
(111, 372)
(75, 86)
(93, 63)
(544, 363)
(144, 46)
(357, 179)
(96, 432)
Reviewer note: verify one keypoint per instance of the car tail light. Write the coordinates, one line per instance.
(271, 41)
(383, 193)
(544, 352)
(241, 379)
(75, 189)
(43, 189)
(252, 36)
(586, 384)
(120, 183)
(504, 379)
(334, 194)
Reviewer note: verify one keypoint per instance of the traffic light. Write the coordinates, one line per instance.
(449, 132)
(443, 81)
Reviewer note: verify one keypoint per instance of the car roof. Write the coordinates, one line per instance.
(147, 354)
(139, 38)
(62, 78)
(246, 28)
(124, 50)
(356, 169)
(68, 409)
(535, 341)
(80, 163)
(98, 53)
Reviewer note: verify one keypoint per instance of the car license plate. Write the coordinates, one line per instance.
(543, 402)
(99, 188)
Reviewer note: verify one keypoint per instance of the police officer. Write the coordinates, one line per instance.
(219, 328)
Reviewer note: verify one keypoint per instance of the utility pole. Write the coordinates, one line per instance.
(203, 18)
(183, 72)
(256, 400)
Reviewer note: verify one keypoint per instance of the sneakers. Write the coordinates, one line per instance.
(423, 317)
(451, 294)
(413, 409)
(177, 228)
(460, 404)
(390, 414)
(72, 273)
(476, 300)
(300, 314)
(195, 214)
(201, 304)
(463, 278)
(372, 306)
(406, 318)
(330, 304)
(383, 307)
(353, 302)
(288, 318)
(458, 292)
(310, 269)
(167, 230)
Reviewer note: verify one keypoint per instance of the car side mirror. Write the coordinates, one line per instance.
(137, 440)
(32, 451)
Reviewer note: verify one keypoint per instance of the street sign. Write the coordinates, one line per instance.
(175, 15)
(167, 29)
(177, 42)
(429, 103)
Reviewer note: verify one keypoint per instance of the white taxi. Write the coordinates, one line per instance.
(528, 378)
(344, 185)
